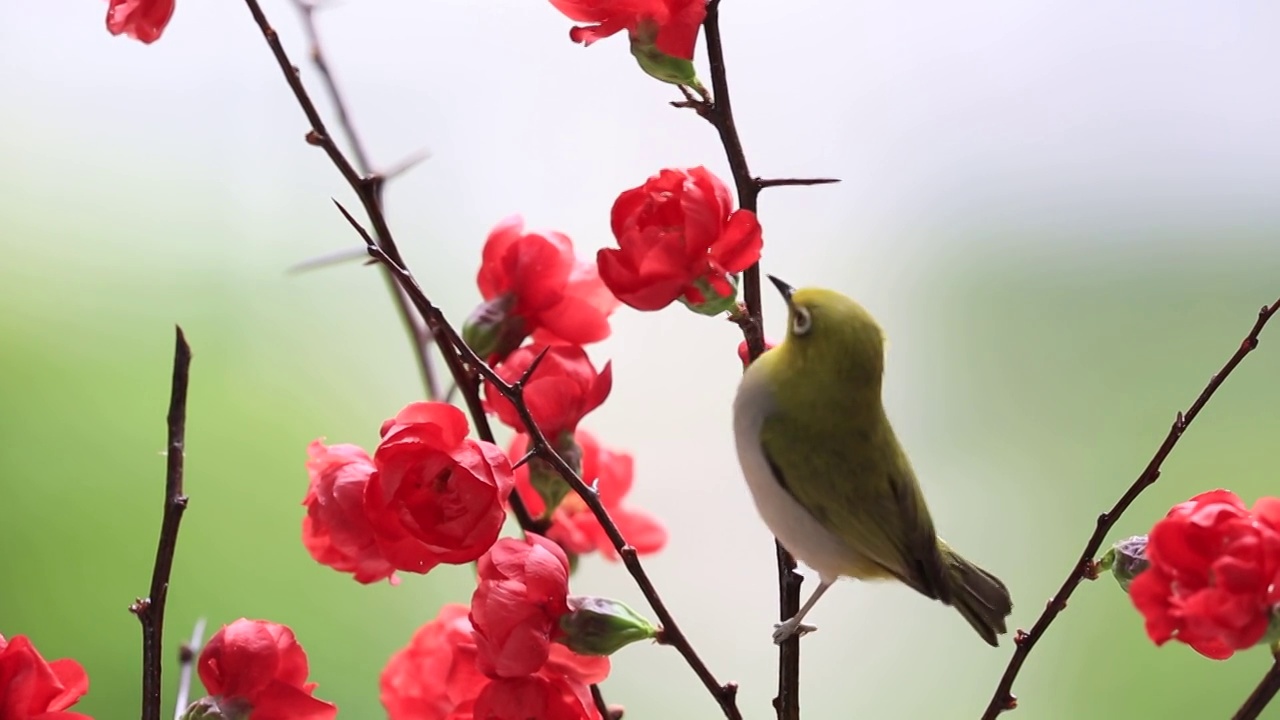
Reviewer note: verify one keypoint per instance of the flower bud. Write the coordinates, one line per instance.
(209, 709)
(1126, 560)
(492, 331)
(602, 626)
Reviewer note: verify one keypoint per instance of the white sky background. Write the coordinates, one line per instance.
(1024, 122)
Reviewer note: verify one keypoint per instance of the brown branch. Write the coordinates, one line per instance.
(671, 634)
(150, 610)
(606, 712)
(187, 655)
(1085, 567)
(366, 183)
(719, 112)
(367, 190)
(1261, 695)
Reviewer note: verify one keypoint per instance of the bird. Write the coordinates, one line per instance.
(828, 475)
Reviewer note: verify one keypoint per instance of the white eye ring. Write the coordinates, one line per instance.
(803, 321)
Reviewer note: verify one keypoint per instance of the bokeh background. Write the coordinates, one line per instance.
(1064, 213)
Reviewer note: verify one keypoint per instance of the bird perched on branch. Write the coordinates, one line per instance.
(828, 475)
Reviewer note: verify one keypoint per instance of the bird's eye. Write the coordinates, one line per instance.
(802, 321)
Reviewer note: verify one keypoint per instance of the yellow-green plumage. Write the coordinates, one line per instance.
(827, 472)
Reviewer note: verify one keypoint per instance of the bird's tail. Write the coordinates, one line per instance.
(979, 596)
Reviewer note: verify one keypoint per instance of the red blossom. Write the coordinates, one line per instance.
(521, 594)
(437, 496)
(535, 696)
(563, 388)
(435, 676)
(573, 526)
(142, 20)
(335, 530)
(744, 353)
(260, 665)
(33, 689)
(556, 297)
(1214, 574)
(676, 22)
(679, 236)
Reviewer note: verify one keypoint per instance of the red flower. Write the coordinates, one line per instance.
(1214, 573)
(676, 21)
(678, 236)
(260, 665)
(573, 526)
(744, 353)
(33, 689)
(521, 593)
(437, 496)
(556, 297)
(535, 696)
(564, 387)
(435, 676)
(139, 19)
(335, 530)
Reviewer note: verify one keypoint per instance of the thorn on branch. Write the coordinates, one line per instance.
(779, 182)
(524, 459)
(517, 389)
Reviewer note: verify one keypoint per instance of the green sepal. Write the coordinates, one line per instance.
(546, 480)
(1126, 560)
(491, 331)
(713, 303)
(659, 65)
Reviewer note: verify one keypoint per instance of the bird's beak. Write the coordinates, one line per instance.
(783, 288)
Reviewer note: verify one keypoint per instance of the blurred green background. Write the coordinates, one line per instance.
(1061, 258)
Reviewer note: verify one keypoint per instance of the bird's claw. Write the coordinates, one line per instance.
(784, 631)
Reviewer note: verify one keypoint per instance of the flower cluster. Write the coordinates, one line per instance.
(507, 657)
(1212, 574)
(429, 495)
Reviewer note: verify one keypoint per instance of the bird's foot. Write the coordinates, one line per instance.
(784, 631)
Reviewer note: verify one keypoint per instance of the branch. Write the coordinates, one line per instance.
(726, 694)
(719, 112)
(187, 655)
(1085, 567)
(150, 610)
(1261, 696)
(367, 189)
(359, 175)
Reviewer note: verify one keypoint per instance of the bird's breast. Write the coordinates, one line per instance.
(798, 531)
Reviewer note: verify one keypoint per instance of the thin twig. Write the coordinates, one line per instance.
(366, 183)
(719, 112)
(1003, 699)
(150, 610)
(671, 634)
(187, 655)
(1261, 695)
(606, 713)
(366, 189)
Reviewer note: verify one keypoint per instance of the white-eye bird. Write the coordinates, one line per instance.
(828, 475)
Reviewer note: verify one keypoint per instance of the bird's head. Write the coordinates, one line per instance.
(830, 332)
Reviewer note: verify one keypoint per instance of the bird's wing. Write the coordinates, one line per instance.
(874, 509)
